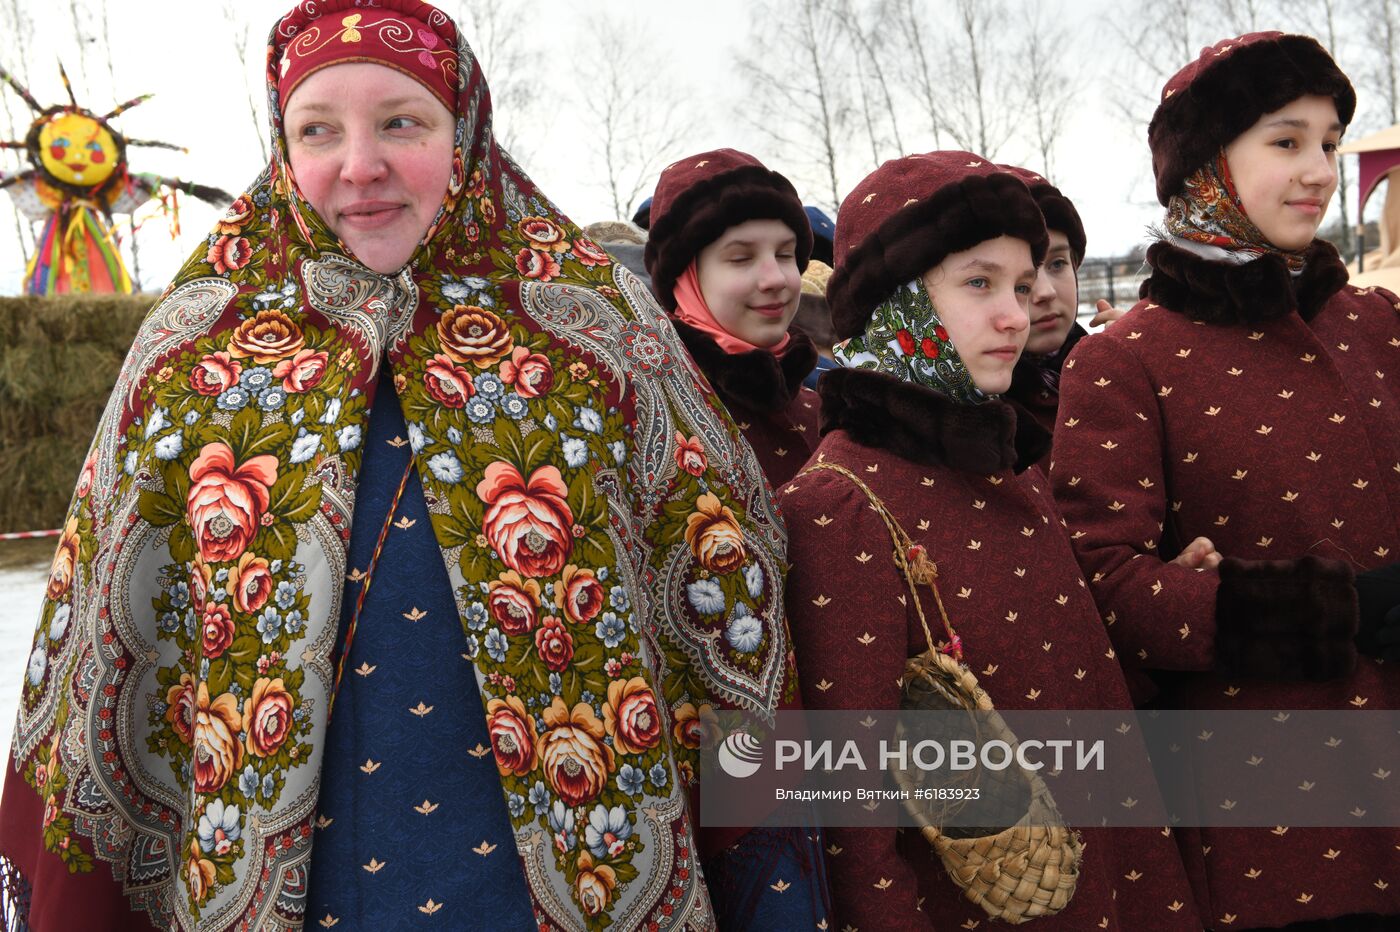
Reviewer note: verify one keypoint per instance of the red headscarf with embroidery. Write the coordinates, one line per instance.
(423, 49)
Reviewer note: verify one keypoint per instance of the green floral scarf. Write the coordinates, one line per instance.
(905, 338)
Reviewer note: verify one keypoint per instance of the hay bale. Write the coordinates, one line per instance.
(59, 358)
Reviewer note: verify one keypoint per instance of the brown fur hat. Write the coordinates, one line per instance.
(1058, 210)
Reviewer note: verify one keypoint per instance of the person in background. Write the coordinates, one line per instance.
(642, 218)
(814, 319)
(1250, 396)
(823, 232)
(729, 242)
(936, 259)
(625, 242)
(1035, 383)
(347, 625)
(1054, 330)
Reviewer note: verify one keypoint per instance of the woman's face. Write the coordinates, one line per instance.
(983, 296)
(1285, 169)
(750, 280)
(371, 149)
(1054, 299)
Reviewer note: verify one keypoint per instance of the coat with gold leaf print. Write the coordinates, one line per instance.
(959, 480)
(1263, 413)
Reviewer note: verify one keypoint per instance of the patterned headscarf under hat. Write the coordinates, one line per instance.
(906, 339)
(1208, 212)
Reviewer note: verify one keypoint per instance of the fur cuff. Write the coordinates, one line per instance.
(1219, 293)
(925, 427)
(1286, 619)
(758, 380)
(1377, 598)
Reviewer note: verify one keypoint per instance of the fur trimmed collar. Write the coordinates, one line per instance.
(925, 427)
(758, 380)
(1028, 378)
(1217, 293)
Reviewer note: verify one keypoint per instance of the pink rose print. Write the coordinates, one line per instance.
(227, 501)
(528, 524)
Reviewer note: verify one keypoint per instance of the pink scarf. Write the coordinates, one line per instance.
(693, 309)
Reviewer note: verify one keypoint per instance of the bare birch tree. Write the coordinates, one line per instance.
(799, 92)
(977, 115)
(877, 111)
(1047, 87)
(1381, 75)
(917, 65)
(492, 29)
(105, 32)
(632, 106)
(18, 28)
(1242, 16)
(84, 33)
(1158, 38)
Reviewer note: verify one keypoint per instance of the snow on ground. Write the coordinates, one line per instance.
(21, 594)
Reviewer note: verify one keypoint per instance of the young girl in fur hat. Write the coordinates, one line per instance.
(729, 242)
(1250, 396)
(936, 256)
(1054, 330)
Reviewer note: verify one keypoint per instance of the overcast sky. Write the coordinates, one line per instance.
(184, 53)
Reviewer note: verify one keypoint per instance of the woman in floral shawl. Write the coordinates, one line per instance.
(461, 401)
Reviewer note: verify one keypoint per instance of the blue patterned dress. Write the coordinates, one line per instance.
(412, 825)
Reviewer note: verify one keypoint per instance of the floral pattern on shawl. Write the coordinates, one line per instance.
(1209, 211)
(176, 699)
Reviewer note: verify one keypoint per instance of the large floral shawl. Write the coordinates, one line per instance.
(592, 506)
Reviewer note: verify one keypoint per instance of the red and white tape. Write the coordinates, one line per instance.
(30, 535)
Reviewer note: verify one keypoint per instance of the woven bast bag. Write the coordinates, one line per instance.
(1024, 863)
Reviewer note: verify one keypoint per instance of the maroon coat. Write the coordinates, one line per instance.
(765, 396)
(1264, 413)
(951, 476)
(1041, 398)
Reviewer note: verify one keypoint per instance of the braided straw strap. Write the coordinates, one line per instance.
(1025, 871)
(912, 560)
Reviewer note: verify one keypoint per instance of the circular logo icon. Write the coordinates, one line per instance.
(740, 755)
